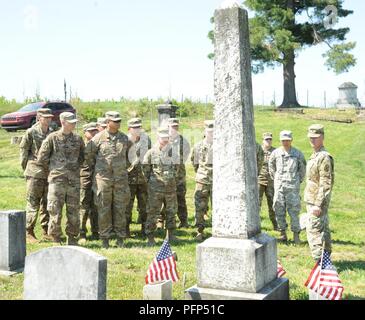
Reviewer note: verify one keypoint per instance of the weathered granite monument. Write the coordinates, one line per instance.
(12, 242)
(238, 262)
(348, 96)
(65, 273)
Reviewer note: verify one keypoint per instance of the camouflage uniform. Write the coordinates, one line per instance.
(36, 177)
(287, 169)
(320, 180)
(108, 154)
(266, 185)
(202, 160)
(88, 208)
(64, 154)
(260, 157)
(181, 151)
(161, 174)
(137, 181)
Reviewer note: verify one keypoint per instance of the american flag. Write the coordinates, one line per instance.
(326, 282)
(163, 267)
(281, 270)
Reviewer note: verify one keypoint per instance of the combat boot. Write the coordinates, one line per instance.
(183, 224)
(72, 241)
(105, 243)
(283, 237)
(151, 240)
(120, 242)
(31, 236)
(52, 239)
(128, 231)
(200, 235)
(45, 231)
(170, 236)
(94, 236)
(296, 238)
(143, 231)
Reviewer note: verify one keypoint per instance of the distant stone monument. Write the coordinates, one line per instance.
(165, 112)
(12, 242)
(65, 273)
(348, 96)
(238, 262)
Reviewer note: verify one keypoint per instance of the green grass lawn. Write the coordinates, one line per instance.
(127, 266)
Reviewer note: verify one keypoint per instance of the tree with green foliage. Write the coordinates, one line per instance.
(280, 29)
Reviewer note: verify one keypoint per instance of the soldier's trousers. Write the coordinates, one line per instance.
(269, 192)
(37, 190)
(318, 231)
(203, 193)
(61, 192)
(182, 211)
(138, 191)
(287, 199)
(154, 204)
(112, 198)
(88, 209)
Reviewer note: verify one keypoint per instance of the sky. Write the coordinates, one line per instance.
(106, 49)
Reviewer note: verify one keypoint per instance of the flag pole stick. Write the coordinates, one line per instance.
(320, 270)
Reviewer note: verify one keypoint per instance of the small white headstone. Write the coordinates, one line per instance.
(158, 291)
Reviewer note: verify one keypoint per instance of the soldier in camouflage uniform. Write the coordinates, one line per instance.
(108, 152)
(266, 184)
(63, 152)
(317, 194)
(287, 169)
(202, 160)
(87, 202)
(260, 157)
(36, 175)
(101, 124)
(137, 181)
(181, 151)
(161, 173)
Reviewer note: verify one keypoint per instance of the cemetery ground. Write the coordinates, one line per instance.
(127, 266)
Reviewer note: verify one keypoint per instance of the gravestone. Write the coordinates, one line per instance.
(158, 291)
(348, 96)
(12, 242)
(165, 112)
(238, 262)
(65, 273)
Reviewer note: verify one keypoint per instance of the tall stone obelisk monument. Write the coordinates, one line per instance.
(238, 262)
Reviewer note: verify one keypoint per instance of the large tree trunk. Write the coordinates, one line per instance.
(290, 93)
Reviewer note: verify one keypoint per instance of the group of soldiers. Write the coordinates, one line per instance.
(100, 177)
(280, 177)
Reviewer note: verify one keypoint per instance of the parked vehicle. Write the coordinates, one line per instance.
(26, 117)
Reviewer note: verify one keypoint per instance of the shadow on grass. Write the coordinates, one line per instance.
(343, 265)
(348, 243)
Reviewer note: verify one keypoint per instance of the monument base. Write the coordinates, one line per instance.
(276, 290)
(10, 273)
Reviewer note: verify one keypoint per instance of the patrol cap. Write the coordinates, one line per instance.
(44, 112)
(209, 125)
(163, 132)
(173, 122)
(101, 122)
(113, 116)
(89, 126)
(267, 135)
(135, 123)
(286, 135)
(69, 117)
(315, 131)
